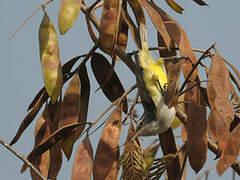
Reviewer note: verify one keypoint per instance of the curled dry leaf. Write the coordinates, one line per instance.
(49, 55)
(132, 27)
(231, 151)
(83, 163)
(29, 118)
(138, 11)
(157, 21)
(133, 163)
(50, 142)
(68, 13)
(70, 112)
(109, 25)
(113, 88)
(200, 2)
(106, 162)
(168, 146)
(197, 131)
(176, 7)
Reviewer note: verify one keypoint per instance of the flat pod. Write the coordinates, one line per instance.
(113, 88)
(83, 163)
(68, 13)
(109, 24)
(106, 160)
(176, 7)
(70, 112)
(49, 55)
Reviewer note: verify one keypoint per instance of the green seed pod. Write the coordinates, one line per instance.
(68, 13)
(49, 56)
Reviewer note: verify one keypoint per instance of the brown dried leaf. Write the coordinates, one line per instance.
(132, 27)
(59, 134)
(197, 131)
(133, 163)
(106, 162)
(85, 93)
(230, 152)
(168, 146)
(200, 2)
(157, 21)
(113, 88)
(138, 11)
(109, 25)
(29, 118)
(42, 132)
(70, 112)
(83, 163)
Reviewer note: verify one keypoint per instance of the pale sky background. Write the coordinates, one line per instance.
(21, 76)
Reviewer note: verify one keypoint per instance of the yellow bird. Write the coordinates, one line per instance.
(152, 84)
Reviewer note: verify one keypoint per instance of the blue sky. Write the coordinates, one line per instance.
(21, 76)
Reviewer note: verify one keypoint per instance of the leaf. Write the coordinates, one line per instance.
(49, 55)
(200, 2)
(59, 134)
(83, 163)
(168, 146)
(68, 13)
(132, 27)
(176, 7)
(138, 11)
(149, 154)
(133, 163)
(85, 93)
(113, 88)
(197, 131)
(230, 152)
(109, 25)
(106, 160)
(29, 118)
(42, 132)
(157, 22)
(70, 112)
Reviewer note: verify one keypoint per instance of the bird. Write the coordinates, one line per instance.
(152, 84)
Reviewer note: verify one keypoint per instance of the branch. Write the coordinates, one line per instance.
(23, 158)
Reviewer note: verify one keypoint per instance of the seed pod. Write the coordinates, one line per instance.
(68, 13)
(49, 55)
(109, 24)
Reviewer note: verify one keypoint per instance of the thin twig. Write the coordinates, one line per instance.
(29, 17)
(194, 67)
(23, 158)
(205, 173)
(195, 84)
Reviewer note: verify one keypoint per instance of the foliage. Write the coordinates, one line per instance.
(64, 121)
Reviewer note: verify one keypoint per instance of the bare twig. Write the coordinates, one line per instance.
(194, 67)
(23, 158)
(205, 173)
(29, 17)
